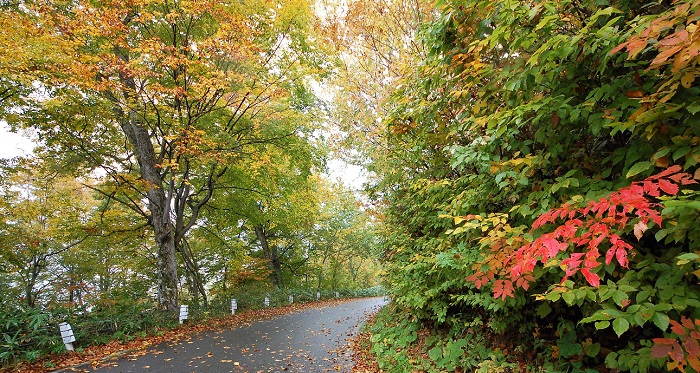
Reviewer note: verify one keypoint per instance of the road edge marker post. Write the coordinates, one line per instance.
(67, 335)
(184, 313)
(234, 306)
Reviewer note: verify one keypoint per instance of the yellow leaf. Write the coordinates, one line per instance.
(688, 79)
(551, 263)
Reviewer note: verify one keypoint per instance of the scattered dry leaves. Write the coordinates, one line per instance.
(95, 356)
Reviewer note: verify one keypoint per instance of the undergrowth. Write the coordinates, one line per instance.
(28, 334)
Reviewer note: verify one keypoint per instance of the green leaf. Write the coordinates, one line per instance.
(592, 350)
(638, 168)
(602, 325)
(619, 297)
(680, 152)
(598, 316)
(639, 319)
(620, 326)
(435, 353)
(569, 297)
(686, 258)
(693, 108)
(553, 297)
(543, 310)
(661, 320)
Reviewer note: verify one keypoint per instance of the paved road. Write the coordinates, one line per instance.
(311, 340)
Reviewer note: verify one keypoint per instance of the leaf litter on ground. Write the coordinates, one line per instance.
(93, 357)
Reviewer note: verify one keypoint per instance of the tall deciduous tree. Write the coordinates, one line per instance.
(277, 204)
(162, 97)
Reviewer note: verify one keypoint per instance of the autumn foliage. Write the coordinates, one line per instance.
(542, 187)
(584, 232)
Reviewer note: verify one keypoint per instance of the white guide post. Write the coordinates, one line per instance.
(67, 335)
(184, 312)
(234, 306)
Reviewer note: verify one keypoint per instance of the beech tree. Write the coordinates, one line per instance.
(162, 97)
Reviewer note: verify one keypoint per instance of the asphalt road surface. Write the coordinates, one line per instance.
(312, 340)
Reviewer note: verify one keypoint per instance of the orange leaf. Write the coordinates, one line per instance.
(634, 47)
(634, 94)
(662, 347)
(674, 39)
(694, 362)
(662, 57)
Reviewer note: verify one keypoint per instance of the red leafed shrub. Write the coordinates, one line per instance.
(589, 231)
(683, 350)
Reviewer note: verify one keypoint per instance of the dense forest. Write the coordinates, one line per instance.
(532, 197)
(538, 180)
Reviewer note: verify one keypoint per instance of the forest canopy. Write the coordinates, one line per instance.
(180, 159)
(532, 170)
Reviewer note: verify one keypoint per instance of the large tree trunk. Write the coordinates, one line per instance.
(159, 207)
(272, 256)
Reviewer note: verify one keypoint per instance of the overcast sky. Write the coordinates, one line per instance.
(16, 144)
(13, 144)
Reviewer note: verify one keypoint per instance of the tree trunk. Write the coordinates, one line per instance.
(30, 295)
(272, 256)
(192, 268)
(159, 207)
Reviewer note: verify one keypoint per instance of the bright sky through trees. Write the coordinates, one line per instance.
(13, 144)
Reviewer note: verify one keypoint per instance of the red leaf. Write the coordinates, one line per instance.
(621, 256)
(677, 177)
(667, 172)
(661, 350)
(688, 181)
(553, 246)
(692, 347)
(668, 187)
(503, 289)
(651, 189)
(591, 277)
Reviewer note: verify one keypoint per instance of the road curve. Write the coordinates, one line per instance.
(310, 340)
